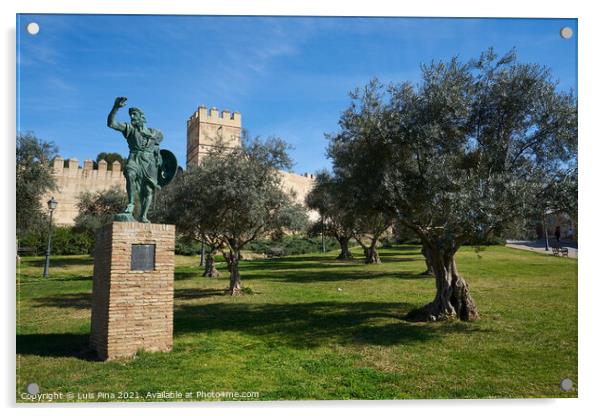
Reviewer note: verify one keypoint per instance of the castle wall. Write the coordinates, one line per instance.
(300, 185)
(74, 180)
(202, 128)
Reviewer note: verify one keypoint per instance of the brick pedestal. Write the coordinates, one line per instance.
(132, 294)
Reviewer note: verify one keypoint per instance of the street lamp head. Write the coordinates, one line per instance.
(52, 203)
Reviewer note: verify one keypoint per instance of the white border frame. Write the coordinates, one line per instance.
(590, 153)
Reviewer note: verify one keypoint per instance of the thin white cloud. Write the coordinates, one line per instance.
(42, 54)
(61, 85)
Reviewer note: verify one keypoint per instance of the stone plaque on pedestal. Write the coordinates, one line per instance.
(132, 292)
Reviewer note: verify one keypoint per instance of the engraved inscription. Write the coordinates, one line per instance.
(143, 257)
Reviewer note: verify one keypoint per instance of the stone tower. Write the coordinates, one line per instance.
(204, 127)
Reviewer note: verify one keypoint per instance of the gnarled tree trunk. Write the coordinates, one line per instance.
(345, 253)
(371, 253)
(429, 268)
(453, 298)
(210, 270)
(235, 285)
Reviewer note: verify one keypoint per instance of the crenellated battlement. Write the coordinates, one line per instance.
(214, 116)
(73, 170)
(204, 126)
(72, 180)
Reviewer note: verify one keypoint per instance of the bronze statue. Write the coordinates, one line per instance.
(148, 168)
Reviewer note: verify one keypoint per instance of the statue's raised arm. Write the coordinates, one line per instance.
(148, 167)
(119, 102)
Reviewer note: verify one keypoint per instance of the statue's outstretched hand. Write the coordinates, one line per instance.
(120, 101)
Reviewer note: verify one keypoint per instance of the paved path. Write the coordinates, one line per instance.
(539, 246)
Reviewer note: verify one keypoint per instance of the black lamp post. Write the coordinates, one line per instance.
(323, 245)
(51, 206)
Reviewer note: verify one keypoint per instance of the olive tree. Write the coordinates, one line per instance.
(369, 222)
(460, 155)
(234, 197)
(185, 203)
(371, 225)
(98, 208)
(110, 157)
(33, 179)
(336, 216)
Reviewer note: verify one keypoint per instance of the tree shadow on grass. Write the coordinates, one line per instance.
(391, 258)
(80, 300)
(83, 300)
(402, 248)
(194, 293)
(72, 278)
(62, 262)
(329, 275)
(56, 345)
(319, 263)
(287, 264)
(401, 254)
(304, 258)
(51, 278)
(296, 325)
(187, 275)
(311, 325)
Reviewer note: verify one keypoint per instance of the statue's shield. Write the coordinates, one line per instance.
(168, 167)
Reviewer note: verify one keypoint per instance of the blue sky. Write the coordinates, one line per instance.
(288, 76)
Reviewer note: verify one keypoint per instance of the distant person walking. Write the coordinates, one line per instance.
(557, 234)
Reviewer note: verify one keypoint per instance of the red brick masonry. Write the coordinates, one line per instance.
(132, 310)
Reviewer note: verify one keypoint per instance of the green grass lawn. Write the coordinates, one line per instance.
(318, 328)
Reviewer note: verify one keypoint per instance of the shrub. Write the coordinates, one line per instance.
(65, 241)
(187, 247)
(290, 245)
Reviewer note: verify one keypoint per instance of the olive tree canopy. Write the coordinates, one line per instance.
(235, 196)
(328, 198)
(33, 180)
(459, 155)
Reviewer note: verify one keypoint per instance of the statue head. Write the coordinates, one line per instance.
(137, 116)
